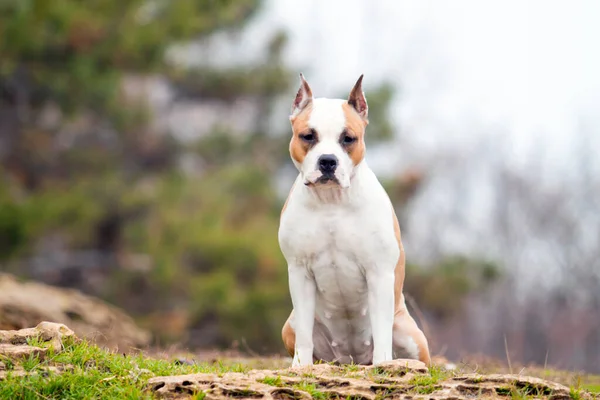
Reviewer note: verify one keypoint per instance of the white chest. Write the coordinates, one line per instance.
(337, 242)
(336, 253)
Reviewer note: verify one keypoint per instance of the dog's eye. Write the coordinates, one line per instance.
(309, 137)
(348, 139)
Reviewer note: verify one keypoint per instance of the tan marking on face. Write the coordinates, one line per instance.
(355, 126)
(289, 336)
(299, 148)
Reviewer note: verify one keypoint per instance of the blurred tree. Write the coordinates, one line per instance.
(193, 256)
(442, 288)
(67, 59)
(77, 156)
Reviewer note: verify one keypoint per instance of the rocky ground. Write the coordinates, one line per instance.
(50, 361)
(407, 379)
(68, 358)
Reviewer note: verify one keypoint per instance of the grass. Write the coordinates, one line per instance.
(91, 372)
(311, 389)
(273, 381)
(594, 388)
(95, 373)
(427, 384)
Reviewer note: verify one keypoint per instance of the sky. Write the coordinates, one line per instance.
(527, 69)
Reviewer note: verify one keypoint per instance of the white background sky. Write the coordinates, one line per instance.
(528, 67)
(518, 81)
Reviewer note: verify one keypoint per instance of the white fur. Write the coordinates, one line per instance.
(341, 250)
(327, 118)
(408, 345)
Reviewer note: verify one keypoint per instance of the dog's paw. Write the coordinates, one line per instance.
(297, 364)
(381, 357)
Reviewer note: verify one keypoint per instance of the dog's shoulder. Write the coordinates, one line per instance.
(287, 200)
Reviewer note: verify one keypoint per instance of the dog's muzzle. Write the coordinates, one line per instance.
(327, 163)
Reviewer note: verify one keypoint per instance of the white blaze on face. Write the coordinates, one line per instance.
(327, 118)
(328, 127)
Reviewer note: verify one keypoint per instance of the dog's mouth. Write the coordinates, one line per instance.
(322, 179)
(328, 178)
(319, 179)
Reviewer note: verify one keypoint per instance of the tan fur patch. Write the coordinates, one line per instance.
(299, 148)
(404, 324)
(289, 336)
(355, 126)
(399, 271)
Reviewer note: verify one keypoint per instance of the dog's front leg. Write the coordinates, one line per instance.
(380, 286)
(303, 293)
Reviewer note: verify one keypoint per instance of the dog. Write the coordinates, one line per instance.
(340, 237)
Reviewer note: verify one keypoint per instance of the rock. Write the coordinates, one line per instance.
(400, 379)
(25, 304)
(502, 383)
(400, 367)
(15, 346)
(18, 352)
(45, 331)
(230, 385)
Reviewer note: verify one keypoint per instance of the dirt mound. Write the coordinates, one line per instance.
(25, 304)
(400, 379)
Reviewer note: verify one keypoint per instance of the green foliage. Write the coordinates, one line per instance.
(380, 125)
(230, 84)
(75, 52)
(207, 236)
(442, 288)
(13, 236)
(211, 240)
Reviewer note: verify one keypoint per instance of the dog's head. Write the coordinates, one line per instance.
(328, 136)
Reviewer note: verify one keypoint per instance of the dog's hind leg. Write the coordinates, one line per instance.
(408, 340)
(289, 336)
(323, 349)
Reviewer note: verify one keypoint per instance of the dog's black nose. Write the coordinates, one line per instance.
(328, 163)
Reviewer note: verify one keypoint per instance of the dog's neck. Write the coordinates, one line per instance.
(327, 195)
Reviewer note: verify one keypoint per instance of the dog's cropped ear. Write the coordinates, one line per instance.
(358, 101)
(303, 98)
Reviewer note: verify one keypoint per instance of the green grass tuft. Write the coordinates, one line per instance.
(272, 381)
(30, 363)
(95, 373)
(592, 387)
(575, 394)
(311, 389)
(426, 384)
